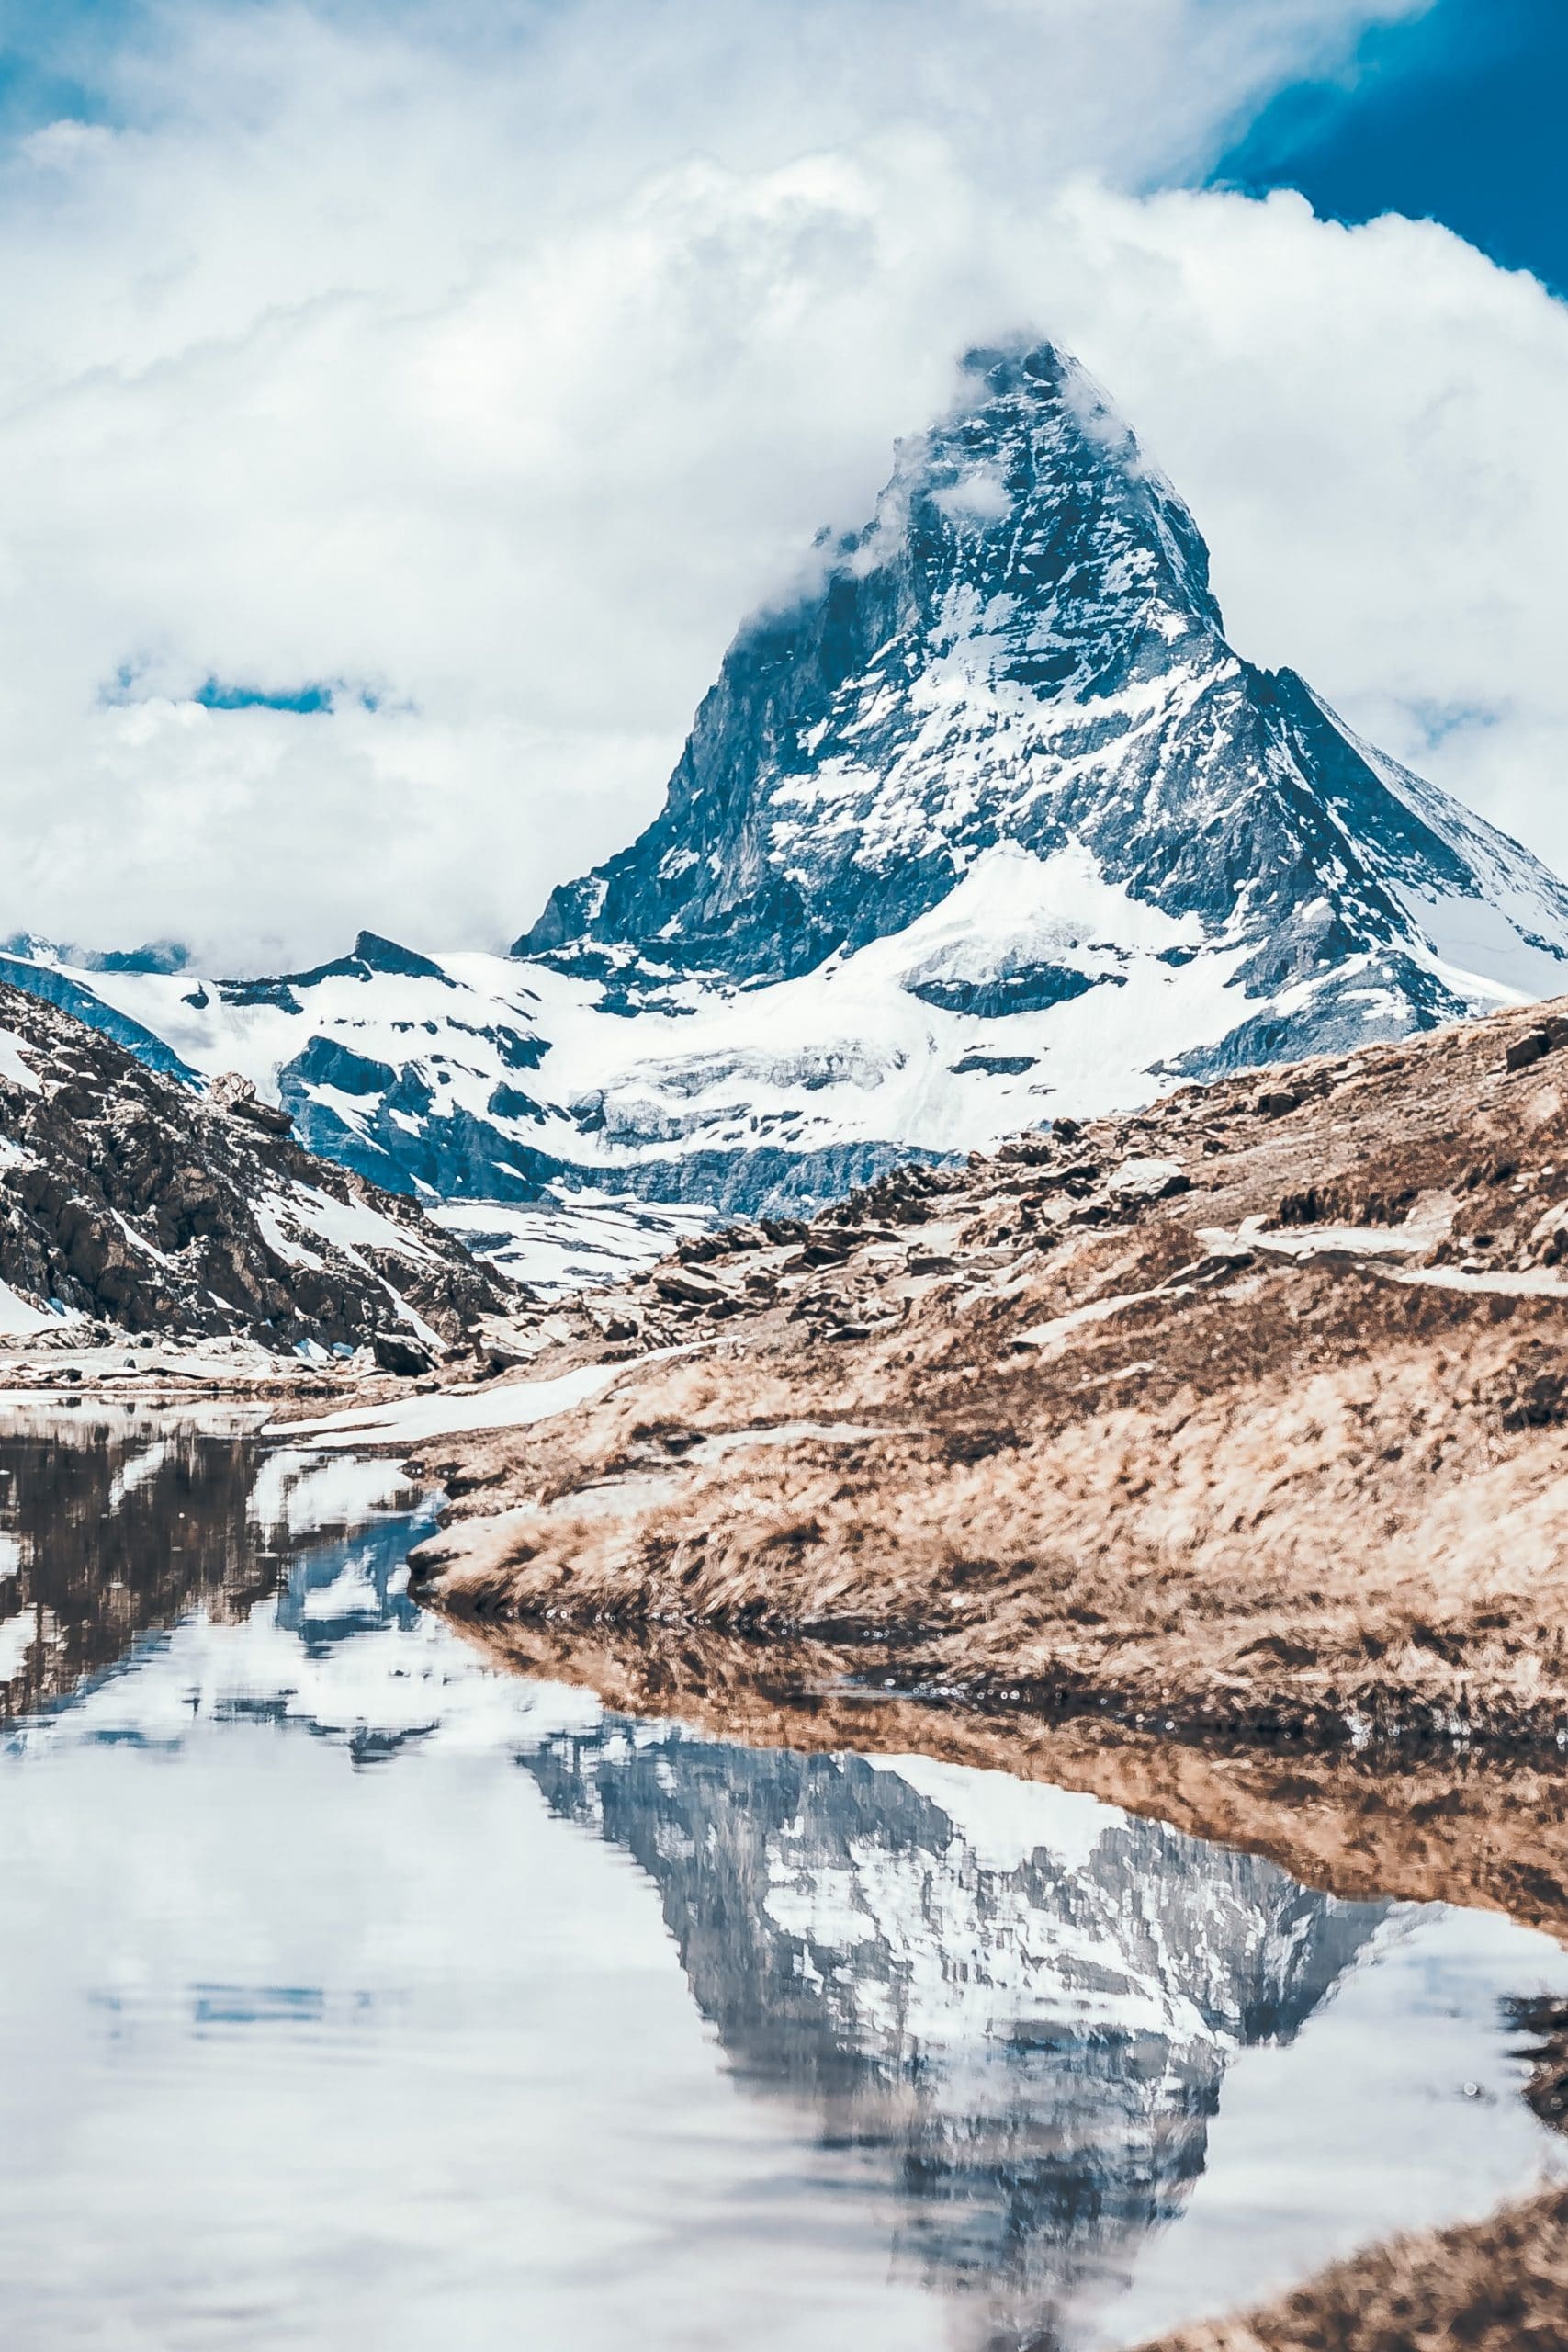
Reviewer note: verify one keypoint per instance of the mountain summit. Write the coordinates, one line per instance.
(988, 825)
(1022, 649)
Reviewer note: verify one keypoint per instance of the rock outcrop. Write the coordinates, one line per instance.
(127, 1199)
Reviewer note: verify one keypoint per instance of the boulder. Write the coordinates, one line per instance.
(1549, 1235)
(400, 1353)
(1525, 1051)
(1149, 1180)
(238, 1096)
(614, 1323)
(686, 1287)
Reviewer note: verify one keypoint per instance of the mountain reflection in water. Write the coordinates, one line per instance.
(658, 2038)
(1024, 2000)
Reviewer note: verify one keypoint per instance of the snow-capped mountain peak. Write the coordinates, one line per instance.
(986, 824)
(1023, 648)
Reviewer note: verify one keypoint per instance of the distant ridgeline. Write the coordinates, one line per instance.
(988, 825)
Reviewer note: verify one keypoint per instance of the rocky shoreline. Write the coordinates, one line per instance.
(1439, 1825)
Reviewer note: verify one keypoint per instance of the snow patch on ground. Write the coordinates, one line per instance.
(13, 1064)
(570, 1242)
(352, 1226)
(1475, 940)
(1013, 909)
(19, 1317)
(1098, 1310)
(408, 1420)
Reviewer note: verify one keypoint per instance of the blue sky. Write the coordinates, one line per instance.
(1460, 117)
(47, 54)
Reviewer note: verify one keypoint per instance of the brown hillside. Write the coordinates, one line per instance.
(1250, 1411)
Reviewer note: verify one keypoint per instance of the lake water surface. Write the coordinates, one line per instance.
(360, 1998)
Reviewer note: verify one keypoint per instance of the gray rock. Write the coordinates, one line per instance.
(239, 1097)
(1523, 1052)
(128, 1198)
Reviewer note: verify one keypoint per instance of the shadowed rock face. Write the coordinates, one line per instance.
(1028, 2021)
(124, 1196)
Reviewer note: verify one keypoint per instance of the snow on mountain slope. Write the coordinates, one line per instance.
(988, 825)
(1022, 646)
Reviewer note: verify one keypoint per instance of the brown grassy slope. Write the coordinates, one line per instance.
(1496, 2286)
(1040, 1427)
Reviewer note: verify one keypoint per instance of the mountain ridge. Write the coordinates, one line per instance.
(987, 826)
(1024, 646)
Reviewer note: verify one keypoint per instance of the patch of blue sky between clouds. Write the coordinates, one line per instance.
(1455, 116)
(1438, 720)
(306, 700)
(52, 54)
(311, 697)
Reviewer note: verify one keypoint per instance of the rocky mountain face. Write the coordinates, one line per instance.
(1025, 2002)
(127, 1199)
(987, 824)
(1021, 652)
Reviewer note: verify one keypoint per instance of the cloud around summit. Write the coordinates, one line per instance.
(466, 375)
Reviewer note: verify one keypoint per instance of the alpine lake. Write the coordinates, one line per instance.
(362, 1992)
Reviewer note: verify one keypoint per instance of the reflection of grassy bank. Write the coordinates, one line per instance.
(1426, 1828)
(1496, 2286)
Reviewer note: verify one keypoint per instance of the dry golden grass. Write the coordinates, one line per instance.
(1496, 2286)
(1255, 1494)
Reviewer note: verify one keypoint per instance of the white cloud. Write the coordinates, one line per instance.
(499, 372)
(1369, 425)
(981, 496)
